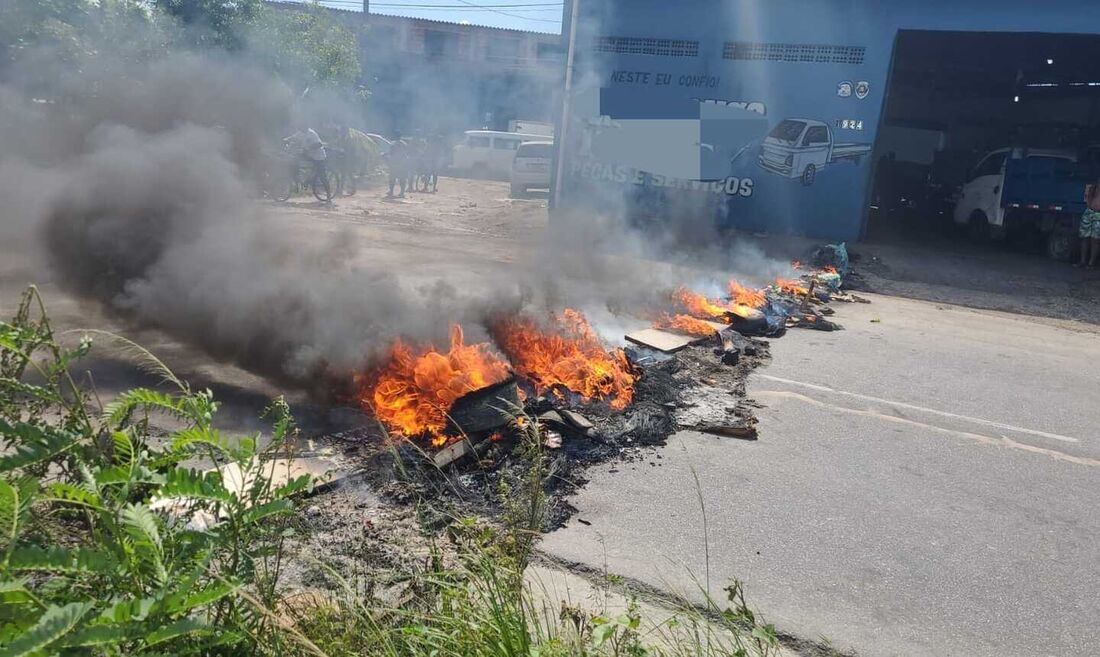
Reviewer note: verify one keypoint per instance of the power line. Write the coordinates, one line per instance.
(504, 13)
(426, 6)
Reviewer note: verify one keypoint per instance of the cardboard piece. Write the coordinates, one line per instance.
(663, 341)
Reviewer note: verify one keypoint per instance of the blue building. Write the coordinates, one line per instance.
(776, 114)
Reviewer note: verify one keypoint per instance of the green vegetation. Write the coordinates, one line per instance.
(109, 542)
(307, 46)
(118, 537)
(303, 48)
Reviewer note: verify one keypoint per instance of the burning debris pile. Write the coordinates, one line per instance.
(415, 391)
(471, 403)
(566, 360)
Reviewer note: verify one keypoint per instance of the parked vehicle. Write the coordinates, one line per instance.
(531, 166)
(489, 153)
(801, 148)
(1030, 194)
(532, 127)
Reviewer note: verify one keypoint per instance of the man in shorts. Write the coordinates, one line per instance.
(1090, 227)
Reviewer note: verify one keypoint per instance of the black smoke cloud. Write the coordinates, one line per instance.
(136, 182)
(134, 178)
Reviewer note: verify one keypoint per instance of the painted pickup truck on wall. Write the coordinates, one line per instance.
(802, 148)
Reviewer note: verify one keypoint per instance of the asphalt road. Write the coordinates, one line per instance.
(925, 484)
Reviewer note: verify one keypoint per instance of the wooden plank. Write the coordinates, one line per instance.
(662, 340)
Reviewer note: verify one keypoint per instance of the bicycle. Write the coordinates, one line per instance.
(284, 176)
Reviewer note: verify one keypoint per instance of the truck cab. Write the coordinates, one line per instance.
(801, 148)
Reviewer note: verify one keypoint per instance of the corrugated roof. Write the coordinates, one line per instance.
(292, 4)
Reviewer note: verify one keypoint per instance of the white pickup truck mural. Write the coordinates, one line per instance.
(800, 148)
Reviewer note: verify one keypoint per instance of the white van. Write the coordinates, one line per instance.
(489, 153)
(531, 168)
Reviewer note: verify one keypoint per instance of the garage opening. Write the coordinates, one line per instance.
(987, 137)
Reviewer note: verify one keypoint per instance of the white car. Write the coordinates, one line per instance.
(489, 153)
(531, 166)
(979, 206)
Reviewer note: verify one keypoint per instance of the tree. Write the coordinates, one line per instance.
(306, 47)
(219, 23)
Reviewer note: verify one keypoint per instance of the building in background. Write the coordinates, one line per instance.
(433, 76)
(780, 114)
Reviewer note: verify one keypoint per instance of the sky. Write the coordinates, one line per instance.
(534, 15)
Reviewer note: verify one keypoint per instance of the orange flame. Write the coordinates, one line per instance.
(745, 312)
(744, 296)
(791, 286)
(829, 269)
(413, 392)
(698, 305)
(685, 324)
(567, 355)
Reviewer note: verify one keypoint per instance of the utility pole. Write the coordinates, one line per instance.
(570, 16)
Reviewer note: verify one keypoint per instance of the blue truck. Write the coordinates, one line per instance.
(1029, 195)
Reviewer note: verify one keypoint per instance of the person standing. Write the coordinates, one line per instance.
(1090, 227)
(434, 159)
(308, 146)
(397, 163)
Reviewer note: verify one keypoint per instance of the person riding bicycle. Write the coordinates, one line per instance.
(307, 147)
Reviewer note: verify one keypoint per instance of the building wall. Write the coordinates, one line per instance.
(433, 76)
(437, 77)
(705, 82)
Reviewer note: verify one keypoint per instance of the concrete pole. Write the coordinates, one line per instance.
(566, 108)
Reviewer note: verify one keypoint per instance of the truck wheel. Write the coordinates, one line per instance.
(1062, 242)
(977, 229)
(809, 175)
